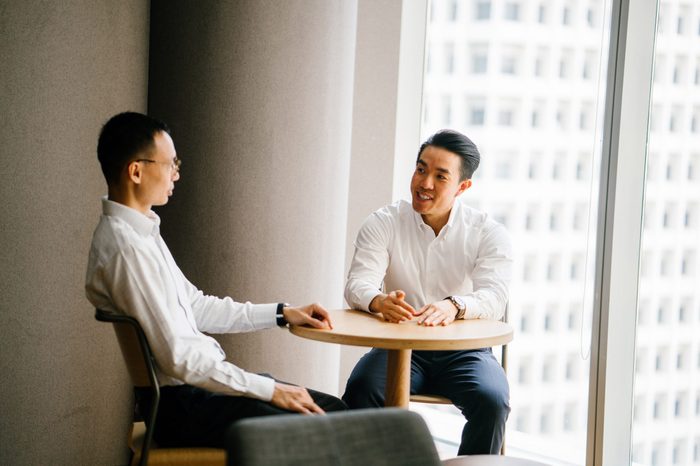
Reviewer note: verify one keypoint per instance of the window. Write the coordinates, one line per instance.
(535, 88)
(482, 10)
(546, 420)
(447, 111)
(565, 64)
(453, 12)
(479, 58)
(661, 360)
(591, 17)
(679, 70)
(541, 62)
(569, 422)
(449, 58)
(506, 113)
(660, 407)
(589, 66)
(548, 368)
(511, 11)
(676, 119)
(566, 15)
(477, 115)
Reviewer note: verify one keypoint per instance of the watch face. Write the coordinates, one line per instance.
(458, 302)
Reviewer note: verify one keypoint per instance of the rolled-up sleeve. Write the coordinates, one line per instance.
(181, 351)
(369, 262)
(491, 275)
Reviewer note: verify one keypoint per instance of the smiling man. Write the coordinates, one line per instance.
(436, 260)
(131, 271)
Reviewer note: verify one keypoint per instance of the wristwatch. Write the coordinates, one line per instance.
(279, 315)
(459, 304)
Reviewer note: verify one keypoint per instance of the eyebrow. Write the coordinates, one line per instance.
(441, 170)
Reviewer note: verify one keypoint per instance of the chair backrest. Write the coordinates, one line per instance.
(368, 437)
(140, 364)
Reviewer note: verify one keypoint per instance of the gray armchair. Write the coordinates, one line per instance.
(368, 437)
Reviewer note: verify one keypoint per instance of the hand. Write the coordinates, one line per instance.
(293, 398)
(439, 313)
(392, 306)
(311, 314)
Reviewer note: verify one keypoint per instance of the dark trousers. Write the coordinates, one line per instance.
(473, 380)
(192, 417)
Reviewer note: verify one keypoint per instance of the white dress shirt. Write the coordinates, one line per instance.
(470, 258)
(131, 271)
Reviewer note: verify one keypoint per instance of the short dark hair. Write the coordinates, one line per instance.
(123, 137)
(458, 144)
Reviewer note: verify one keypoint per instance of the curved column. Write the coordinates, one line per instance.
(259, 97)
(67, 67)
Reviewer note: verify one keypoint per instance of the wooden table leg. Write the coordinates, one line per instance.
(398, 378)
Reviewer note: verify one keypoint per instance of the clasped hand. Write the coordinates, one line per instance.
(394, 308)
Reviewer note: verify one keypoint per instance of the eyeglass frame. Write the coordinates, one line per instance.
(174, 164)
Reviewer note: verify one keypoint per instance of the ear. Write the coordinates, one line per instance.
(463, 186)
(134, 172)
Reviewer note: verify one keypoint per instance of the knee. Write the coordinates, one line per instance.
(496, 401)
(363, 391)
(488, 402)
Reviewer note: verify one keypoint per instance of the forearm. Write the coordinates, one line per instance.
(360, 294)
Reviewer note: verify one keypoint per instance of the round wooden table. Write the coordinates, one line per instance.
(358, 328)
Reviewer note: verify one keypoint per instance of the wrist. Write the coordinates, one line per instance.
(375, 303)
(459, 305)
(279, 314)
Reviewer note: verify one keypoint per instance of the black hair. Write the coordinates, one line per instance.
(123, 137)
(458, 144)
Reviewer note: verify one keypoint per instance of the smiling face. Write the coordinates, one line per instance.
(436, 184)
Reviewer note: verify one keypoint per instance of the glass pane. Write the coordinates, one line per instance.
(666, 429)
(525, 81)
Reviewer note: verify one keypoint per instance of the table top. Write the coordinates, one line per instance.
(358, 328)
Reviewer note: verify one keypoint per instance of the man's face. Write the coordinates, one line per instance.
(160, 171)
(436, 183)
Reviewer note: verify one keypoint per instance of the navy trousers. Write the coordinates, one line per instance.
(473, 380)
(192, 417)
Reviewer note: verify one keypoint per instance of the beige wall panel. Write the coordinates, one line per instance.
(66, 67)
(258, 94)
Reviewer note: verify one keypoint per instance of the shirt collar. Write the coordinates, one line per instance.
(144, 224)
(454, 213)
(450, 221)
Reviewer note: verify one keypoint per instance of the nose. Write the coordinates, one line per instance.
(426, 183)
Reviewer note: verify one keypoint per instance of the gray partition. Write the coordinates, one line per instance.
(66, 67)
(259, 96)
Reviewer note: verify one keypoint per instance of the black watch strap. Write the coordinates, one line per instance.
(281, 321)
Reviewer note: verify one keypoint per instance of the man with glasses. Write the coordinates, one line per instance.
(131, 271)
(437, 260)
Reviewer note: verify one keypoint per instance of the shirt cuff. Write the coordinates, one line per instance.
(366, 298)
(261, 387)
(264, 315)
(473, 310)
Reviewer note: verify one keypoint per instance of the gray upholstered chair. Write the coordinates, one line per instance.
(367, 437)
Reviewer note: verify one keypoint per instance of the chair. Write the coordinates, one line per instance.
(367, 437)
(490, 460)
(437, 399)
(141, 366)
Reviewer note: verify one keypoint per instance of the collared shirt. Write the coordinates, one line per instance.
(131, 271)
(470, 257)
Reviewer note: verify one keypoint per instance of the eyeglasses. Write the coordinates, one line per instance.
(174, 165)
